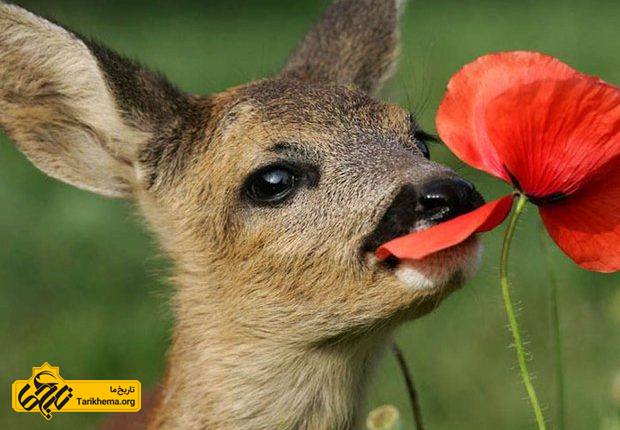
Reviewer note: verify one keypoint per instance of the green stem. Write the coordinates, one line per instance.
(510, 312)
(411, 390)
(554, 317)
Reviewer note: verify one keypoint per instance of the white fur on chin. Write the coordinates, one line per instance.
(438, 270)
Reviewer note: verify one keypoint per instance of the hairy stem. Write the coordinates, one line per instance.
(554, 322)
(413, 394)
(510, 312)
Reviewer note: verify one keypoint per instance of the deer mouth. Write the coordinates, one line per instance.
(444, 270)
(412, 210)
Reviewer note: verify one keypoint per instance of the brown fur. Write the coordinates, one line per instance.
(279, 314)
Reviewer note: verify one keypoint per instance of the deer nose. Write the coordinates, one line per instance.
(444, 199)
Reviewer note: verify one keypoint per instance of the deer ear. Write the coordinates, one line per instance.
(355, 43)
(78, 111)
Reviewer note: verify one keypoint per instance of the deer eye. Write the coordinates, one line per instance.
(271, 184)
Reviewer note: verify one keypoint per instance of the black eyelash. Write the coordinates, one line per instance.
(427, 137)
(420, 134)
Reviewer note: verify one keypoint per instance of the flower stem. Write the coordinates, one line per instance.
(411, 390)
(556, 336)
(510, 312)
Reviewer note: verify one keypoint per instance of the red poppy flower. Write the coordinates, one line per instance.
(550, 132)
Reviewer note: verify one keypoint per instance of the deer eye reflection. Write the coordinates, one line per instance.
(272, 184)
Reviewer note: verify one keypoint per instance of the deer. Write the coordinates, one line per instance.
(269, 198)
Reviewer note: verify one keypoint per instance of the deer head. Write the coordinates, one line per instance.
(269, 197)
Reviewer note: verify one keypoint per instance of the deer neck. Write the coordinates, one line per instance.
(223, 375)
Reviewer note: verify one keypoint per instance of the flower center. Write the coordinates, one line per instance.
(545, 200)
(538, 201)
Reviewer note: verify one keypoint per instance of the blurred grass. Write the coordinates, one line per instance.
(82, 281)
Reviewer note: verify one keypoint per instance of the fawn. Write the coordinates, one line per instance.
(269, 197)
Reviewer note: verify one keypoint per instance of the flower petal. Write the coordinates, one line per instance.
(420, 244)
(586, 226)
(461, 117)
(552, 136)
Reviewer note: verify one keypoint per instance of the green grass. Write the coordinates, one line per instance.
(81, 278)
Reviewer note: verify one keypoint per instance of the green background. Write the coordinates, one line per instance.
(81, 279)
